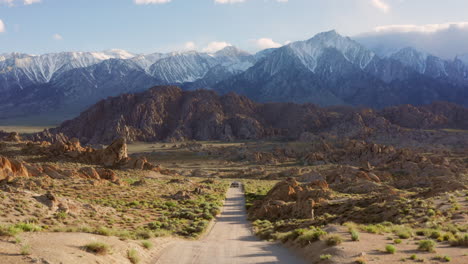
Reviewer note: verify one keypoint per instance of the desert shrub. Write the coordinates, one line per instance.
(124, 234)
(325, 257)
(161, 233)
(420, 232)
(97, 248)
(132, 255)
(18, 240)
(384, 227)
(170, 204)
(413, 257)
(354, 235)
(61, 215)
(311, 235)
(291, 235)
(103, 231)
(397, 241)
(143, 234)
(147, 244)
(448, 236)
(333, 240)
(25, 249)
(403, 232)
(435, 234)
(361, 261)
(155, 225)
(9, 231)
(443, 258)
(351, 226)
(460, 241)
(427, 245)
(207, 215)
(283, 236)
(28, 227)
(390, 249)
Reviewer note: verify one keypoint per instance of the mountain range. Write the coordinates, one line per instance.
(328, 69)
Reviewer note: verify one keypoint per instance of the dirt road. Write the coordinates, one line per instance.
(229, 241)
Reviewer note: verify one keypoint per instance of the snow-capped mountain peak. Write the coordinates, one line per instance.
(119, 54)
(145, 61)
(310, 50)
(41, 69)
(231, 51)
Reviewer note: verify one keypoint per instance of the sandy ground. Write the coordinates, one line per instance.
(371, 248)
(229, 241)
(24, 129)
(56, 248)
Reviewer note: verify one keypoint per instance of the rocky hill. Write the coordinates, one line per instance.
(167, 113)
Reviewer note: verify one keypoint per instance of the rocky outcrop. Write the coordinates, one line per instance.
(400, 167)
(289, 199)
(433, 116)
(13, 137)
(11, 170)
(115, 155)
(47, 136)
(167, 113)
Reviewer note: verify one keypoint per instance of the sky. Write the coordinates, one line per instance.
(146, 26)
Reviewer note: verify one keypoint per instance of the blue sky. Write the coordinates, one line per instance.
(144, 26)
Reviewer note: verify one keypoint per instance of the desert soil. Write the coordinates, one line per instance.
(67, 248)
(229, 241)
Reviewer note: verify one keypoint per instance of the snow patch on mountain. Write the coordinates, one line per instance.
(413, 58)
(180, 67)
(145, 61)
(234, 59)
(41, 69)
(463, 58)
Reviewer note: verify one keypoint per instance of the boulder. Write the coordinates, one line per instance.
(12, 168)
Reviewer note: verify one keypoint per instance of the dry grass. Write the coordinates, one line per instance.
(97, 248)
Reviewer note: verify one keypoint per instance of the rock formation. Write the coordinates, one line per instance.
(166, 113)
(115, 155)
(11, 169)
(289, 199)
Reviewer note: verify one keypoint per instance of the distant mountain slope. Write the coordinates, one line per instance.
(328, 69)
(78, 80)
(169, 113)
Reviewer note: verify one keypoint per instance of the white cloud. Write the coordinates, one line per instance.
(380, 4)
(266, 43)
(215, 46)
(429, 28)
(147, 2)
(445, 40)
(229, 1)
(241, 1)
(190, 46)
(2, 26)
(57, 37)
(25, 2)
(30, 2)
